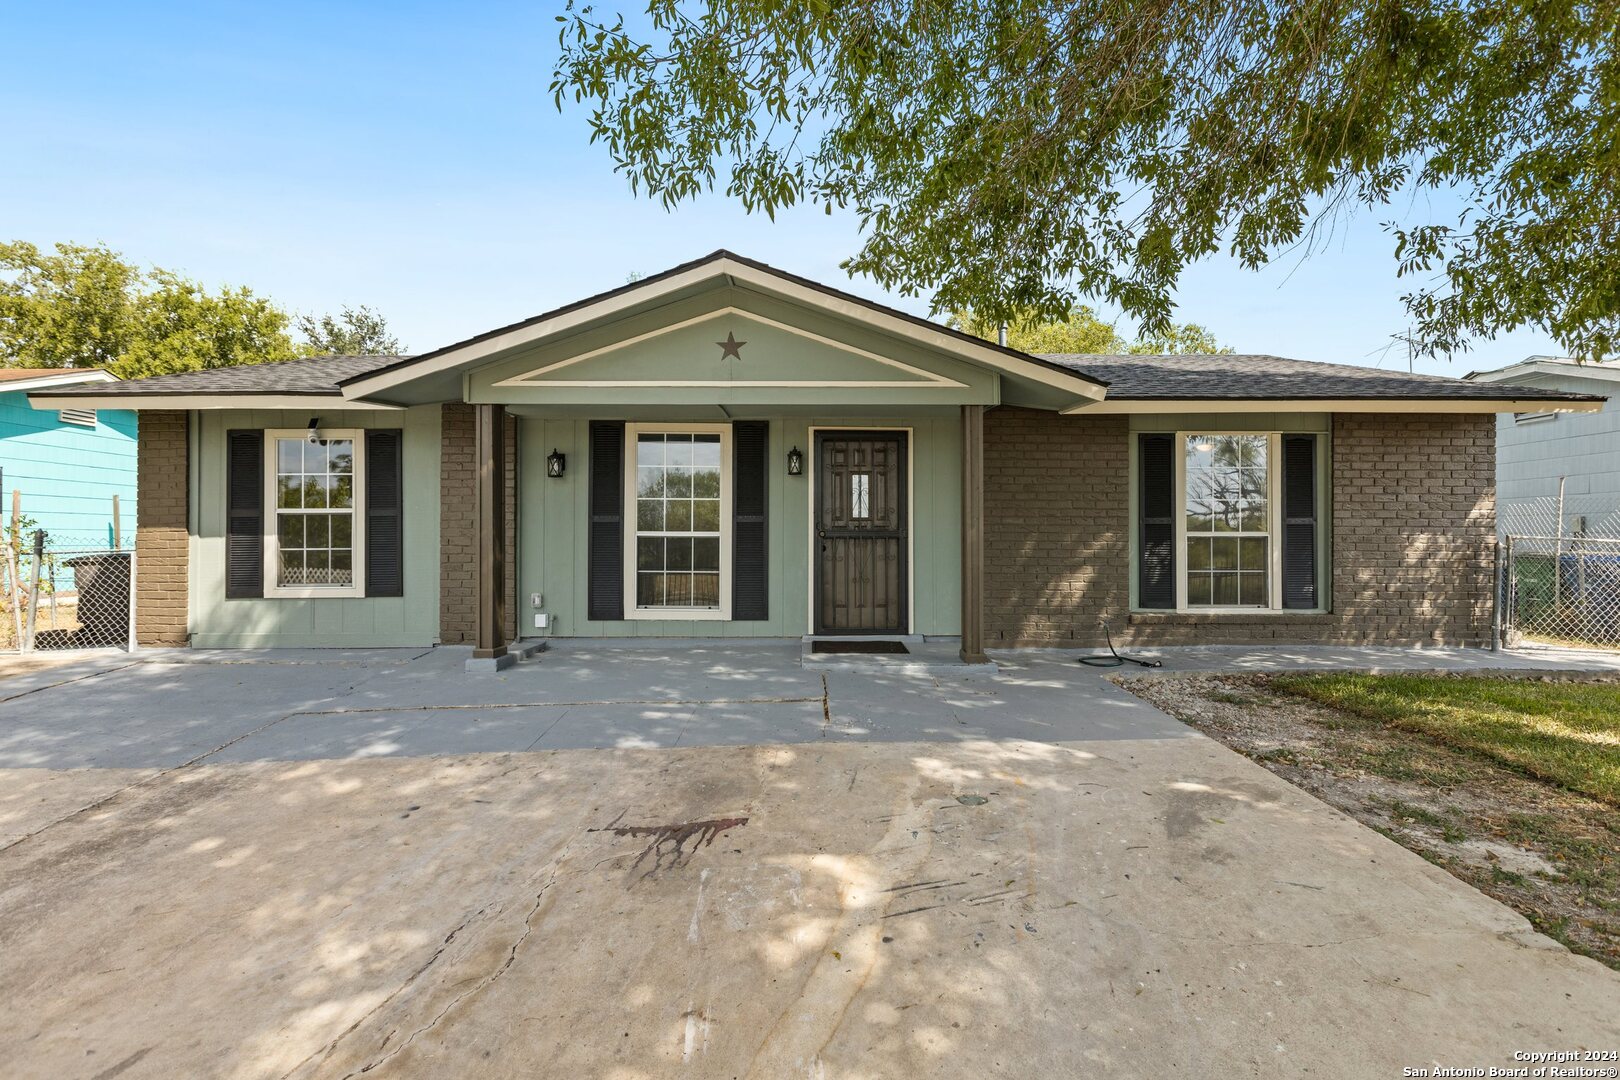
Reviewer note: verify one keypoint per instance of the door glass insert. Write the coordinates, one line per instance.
(860, 496)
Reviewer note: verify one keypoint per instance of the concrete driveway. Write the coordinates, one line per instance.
(717, 861)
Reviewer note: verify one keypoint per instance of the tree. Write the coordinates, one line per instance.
(1083, 332)
(1179, 338)
(180, 326)
(88, 307)
(70, 309)
(355, 332)
(1018, 155)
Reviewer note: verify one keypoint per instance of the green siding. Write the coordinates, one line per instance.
(829, 363)
(412, 619)
(552, 520)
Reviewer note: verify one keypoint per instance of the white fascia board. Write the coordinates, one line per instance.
(203, 401)
(940, 340)
(1546, 367)
(523, 335)
(57, 378)
(1115, 407)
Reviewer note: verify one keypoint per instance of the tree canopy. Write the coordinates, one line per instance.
(353, 332)
(85, 306)
(1083, 332)
(1020, 155)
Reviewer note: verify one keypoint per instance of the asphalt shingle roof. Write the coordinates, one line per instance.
(1130, 378)
(1245, 377)
(309, 375)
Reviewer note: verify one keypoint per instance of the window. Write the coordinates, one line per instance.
(312, 535)
(1226, 520)
(860, 496)
(678, 550)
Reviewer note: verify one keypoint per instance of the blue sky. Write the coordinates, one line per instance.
(408, 156)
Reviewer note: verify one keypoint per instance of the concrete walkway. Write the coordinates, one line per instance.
(161, 709)
(718, 862)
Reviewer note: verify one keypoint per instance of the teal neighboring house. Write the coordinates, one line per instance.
(67, 463)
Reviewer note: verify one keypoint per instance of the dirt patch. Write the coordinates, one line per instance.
(1549, 853)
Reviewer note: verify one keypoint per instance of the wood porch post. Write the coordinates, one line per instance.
(973, 535)
(490, 466)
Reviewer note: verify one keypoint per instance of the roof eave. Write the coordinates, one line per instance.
(202, 401)
(53, 377)
(1544, 367)
(1113, 406)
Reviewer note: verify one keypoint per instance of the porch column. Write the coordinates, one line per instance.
(490, 472)
(973, 535)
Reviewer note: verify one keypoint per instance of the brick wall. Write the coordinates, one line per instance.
(162, 545)
(1057, 520)
(1413, 519)
(458, 527)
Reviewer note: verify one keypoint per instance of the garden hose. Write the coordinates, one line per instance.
(1114, 659)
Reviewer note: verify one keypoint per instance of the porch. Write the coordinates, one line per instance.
(790, 523)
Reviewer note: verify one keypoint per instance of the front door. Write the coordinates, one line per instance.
(861, 525)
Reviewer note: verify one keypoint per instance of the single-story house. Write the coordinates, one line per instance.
(66, 465)
(728, 449)
(1558, 474)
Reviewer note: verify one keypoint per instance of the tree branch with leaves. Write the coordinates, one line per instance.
(1015, 156)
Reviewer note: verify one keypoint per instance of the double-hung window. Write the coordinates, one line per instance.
(677, 550)
(1228, 521)
(313, 542)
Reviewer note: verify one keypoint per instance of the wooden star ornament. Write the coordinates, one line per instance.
(731, 346)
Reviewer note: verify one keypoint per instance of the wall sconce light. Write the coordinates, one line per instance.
(314, 429)
(556, 462)
(795, 462)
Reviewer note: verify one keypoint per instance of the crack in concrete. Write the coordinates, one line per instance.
(326, 1051)
(172, 769)
(511, 958)
(69, 682)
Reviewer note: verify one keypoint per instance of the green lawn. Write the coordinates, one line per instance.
(1564, 732)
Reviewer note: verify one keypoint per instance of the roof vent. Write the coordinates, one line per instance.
(82, 417)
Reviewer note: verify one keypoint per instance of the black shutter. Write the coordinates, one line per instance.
(750, 561)
(385, 512)
(1156, 580)
(1299, 521)
(605, 548)
(244, 514)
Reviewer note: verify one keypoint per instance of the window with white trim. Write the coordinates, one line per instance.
(677, 547)
(1227, 520)
(313, 533)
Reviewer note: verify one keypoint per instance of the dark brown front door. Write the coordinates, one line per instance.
(861, 531)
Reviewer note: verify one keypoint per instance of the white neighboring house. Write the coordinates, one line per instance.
(1541, 456)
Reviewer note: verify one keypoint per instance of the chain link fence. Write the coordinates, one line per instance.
(1584, 515)
(66, 592)
(1563, 589)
